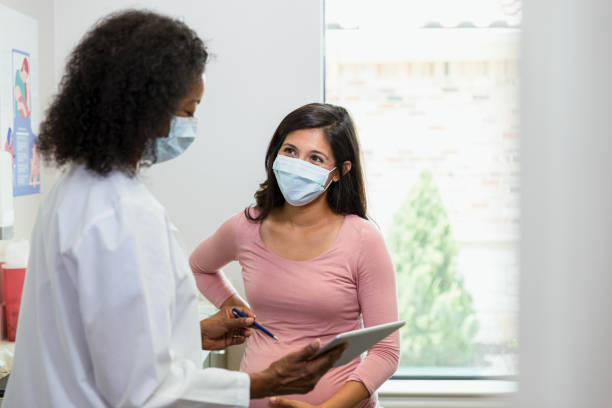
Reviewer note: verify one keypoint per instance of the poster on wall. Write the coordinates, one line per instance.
(19, 105)
(26, 163)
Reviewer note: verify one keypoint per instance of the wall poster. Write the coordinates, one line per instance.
(19, 104)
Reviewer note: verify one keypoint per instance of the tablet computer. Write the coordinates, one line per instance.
(358, 341)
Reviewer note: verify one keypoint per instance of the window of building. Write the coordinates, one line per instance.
(433, 89)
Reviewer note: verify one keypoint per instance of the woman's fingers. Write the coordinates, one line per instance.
(279, 402)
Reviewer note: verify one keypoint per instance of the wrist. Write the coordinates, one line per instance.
(332, 402)
(232, 301)
(261, 384)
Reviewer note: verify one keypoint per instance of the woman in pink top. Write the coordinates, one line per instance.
(313, 265)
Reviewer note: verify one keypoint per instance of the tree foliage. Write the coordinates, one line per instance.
(440, 320)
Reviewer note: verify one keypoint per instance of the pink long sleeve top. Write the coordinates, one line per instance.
(350, 286)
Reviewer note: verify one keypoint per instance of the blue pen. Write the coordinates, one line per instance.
(238, 313)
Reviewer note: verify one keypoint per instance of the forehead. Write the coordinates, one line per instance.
(309, 139)
(196, 91)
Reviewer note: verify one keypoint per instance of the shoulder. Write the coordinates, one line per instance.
(368, 245)
(124, 194)
(83, 200)
(239, 225)
(364, 231)
(241, 221)
(245, 218)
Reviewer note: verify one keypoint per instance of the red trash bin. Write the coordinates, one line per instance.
(13, 286)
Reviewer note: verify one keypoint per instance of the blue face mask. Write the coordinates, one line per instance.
(299, 181)
(182, 133)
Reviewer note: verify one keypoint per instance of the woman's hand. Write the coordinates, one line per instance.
(349, 395)
(287, 403)
(223, 329)
(295, 373)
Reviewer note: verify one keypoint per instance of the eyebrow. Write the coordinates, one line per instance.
(312, 151)
(321, 153)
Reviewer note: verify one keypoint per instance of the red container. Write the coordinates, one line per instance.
(13, 286)
(2, 306)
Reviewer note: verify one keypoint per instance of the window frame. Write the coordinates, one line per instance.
(402, 390)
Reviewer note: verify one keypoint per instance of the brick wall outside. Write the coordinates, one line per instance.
(458, 119)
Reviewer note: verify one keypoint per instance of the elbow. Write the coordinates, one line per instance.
(391, 353)
(393, 358)
(395, 363)
(193, 265)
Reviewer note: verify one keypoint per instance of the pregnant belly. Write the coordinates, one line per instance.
(259, 355)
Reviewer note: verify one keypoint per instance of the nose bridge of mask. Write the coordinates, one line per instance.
(182, 126)
(301, 168)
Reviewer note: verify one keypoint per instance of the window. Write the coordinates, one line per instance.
(433, 89)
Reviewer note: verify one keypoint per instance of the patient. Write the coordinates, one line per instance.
(313, 265)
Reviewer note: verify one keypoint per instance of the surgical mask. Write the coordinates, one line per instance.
(182, 133)
(299, 181)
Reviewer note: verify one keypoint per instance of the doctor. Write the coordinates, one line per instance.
(109, 310)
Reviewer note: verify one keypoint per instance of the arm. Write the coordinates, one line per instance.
(18, 95)
(20, 101)
(28, 99)
(348, 395)
(376, 291)
(126, 293)
(209, 257)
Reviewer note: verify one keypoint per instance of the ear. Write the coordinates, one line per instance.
(346, 167)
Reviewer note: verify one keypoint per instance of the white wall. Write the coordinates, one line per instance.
(26, 207)
(266, 62)
(566, 281)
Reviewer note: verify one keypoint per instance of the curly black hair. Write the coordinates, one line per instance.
(122, 85)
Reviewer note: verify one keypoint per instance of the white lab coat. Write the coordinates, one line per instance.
(109, 310)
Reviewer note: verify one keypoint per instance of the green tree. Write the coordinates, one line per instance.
(440, 320)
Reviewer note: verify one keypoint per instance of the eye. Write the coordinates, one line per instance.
(317, 159)
(289, 150)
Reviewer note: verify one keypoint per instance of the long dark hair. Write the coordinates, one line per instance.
(347, 195)
(122, 85)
